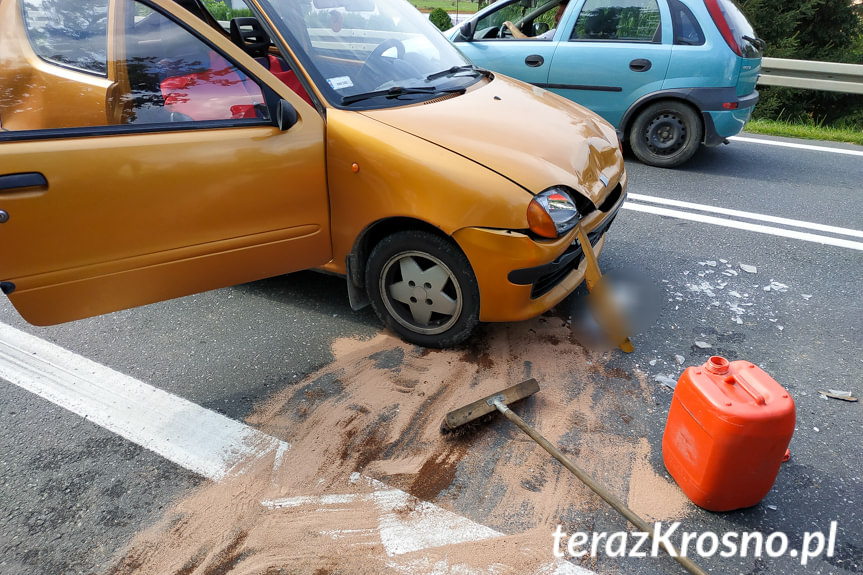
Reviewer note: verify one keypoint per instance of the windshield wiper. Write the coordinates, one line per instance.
(395, 92)
(457, 69)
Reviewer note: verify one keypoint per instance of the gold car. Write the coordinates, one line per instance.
(149, 151)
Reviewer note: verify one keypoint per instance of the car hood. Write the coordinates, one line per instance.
(530, 136)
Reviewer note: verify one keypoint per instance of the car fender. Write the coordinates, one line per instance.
(702, 99)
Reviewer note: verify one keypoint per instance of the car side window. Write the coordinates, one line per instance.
(69, 34)
(687, 31)
(488, 27)
(618, 20)
(533, 17)
(174, 76)
(153, 71)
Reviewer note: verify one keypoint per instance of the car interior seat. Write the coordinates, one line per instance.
(248, 34)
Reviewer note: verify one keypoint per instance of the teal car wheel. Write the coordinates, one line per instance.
(666, 134)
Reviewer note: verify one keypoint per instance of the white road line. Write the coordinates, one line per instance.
(748, 215)
(805, 236)
(797, 146)
(426, 526)
(209, 443)
(183, 432)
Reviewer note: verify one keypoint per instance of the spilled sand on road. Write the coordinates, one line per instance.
(374, 413)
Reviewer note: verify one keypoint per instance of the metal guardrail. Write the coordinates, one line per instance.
(810, 75)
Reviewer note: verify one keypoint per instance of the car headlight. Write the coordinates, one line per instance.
(552, 213)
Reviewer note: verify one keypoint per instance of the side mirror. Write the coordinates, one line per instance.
(467, 30)
(286, 115)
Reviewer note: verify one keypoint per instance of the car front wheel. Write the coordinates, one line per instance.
(666, 134)
(422, 287)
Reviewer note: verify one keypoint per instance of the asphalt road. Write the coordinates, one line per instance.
(75, 494)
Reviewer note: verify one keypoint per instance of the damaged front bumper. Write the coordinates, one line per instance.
(520, 277)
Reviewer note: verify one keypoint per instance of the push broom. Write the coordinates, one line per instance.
(456, 420)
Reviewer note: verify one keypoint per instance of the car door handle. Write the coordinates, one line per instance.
(640, 65)
(22, 180)
(534, 60)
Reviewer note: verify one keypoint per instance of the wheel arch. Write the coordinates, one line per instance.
(365, 242)
(683, 96)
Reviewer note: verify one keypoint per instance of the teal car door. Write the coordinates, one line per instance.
(611, 53)
(494, 47)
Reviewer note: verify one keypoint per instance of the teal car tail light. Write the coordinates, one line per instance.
(722, 24)
(735, 28)
(552, 213)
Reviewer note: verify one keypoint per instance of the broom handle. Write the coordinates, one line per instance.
(596, 487)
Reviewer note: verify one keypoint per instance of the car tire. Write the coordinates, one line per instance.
(423, 288)
(666, 134)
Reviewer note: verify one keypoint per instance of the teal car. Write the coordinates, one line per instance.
(670, 75)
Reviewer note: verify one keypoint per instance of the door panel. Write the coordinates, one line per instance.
(512, 57)
(148, 210)
(599, 75)
(615, 55)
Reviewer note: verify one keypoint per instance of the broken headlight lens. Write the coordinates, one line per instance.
(552, 213)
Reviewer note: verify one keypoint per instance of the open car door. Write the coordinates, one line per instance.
(142, 158)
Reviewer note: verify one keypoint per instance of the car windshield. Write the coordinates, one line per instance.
(371, 53)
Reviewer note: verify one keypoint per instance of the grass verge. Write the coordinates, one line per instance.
(809, 132)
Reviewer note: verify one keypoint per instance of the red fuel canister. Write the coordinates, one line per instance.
(727, 432)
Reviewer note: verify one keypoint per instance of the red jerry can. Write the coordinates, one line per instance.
(727, 433)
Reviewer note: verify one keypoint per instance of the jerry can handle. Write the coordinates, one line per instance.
(747, 386)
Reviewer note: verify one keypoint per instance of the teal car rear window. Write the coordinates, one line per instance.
(687, 31)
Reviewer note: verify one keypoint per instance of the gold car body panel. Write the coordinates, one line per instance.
(417, 179)
(481, 209)
(521, 145)
(174, 212)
